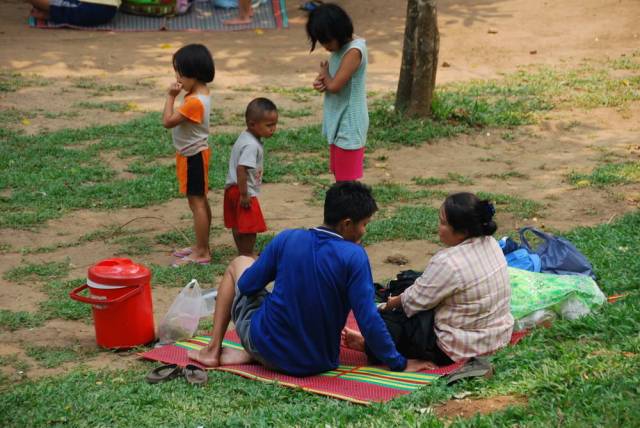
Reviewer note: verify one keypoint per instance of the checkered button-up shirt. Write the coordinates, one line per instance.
(468, 285)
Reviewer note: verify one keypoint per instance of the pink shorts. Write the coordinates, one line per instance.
(346, 165)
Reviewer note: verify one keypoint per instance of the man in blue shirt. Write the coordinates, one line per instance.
(320, 275)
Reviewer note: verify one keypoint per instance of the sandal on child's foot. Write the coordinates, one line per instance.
(190, 260)
(182, 253)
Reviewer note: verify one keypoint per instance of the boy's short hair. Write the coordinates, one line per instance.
(348, 199)
(257, 108)
(329, 22)
(194, 61)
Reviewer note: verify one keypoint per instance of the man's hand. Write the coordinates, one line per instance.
(174, 89)
(245, 201)
(419, 365)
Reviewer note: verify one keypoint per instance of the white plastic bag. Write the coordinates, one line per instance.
(572, 309)
(534, 319)
(181, 321)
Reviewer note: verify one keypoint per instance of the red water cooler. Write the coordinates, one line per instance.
(120, 295)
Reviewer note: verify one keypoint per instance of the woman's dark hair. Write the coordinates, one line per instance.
(348, 199)
(329, 22)
(195, 61)
(467, 214)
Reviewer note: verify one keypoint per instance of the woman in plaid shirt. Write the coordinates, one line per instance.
(460, 307)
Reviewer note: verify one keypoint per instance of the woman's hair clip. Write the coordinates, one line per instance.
(491, 208)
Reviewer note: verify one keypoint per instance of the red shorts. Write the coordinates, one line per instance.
(244, 220)
(346, 165)
(193, 173)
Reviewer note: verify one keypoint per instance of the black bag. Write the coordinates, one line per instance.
(404, 280)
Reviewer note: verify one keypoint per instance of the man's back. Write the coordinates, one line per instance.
(319, 277)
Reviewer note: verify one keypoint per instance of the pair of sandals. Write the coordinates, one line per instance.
(194, 375)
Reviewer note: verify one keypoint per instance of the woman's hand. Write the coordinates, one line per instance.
(392, 303)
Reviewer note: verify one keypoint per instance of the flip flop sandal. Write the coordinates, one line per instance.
(182, 253)
(163, 373)
(195, 375)
(475, 367)
(188, 260)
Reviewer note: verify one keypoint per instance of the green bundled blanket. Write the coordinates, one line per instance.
(563, 294)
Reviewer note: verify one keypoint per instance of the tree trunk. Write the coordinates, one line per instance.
(419, 59)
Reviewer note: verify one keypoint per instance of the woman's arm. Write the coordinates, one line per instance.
(348, 66)
(438, 282)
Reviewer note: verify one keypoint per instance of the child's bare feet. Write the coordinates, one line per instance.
(207, 357)
(352, 339)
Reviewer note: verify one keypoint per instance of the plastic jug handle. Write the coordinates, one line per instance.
(75, 296)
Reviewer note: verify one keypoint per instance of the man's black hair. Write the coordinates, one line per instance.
(257, 108)
(348, 200)
(467, 214)
(329, 22)
(195, 61)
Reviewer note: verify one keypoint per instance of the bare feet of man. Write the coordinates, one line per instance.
(206, 357)
(352, 339)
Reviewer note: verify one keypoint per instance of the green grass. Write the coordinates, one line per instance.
(12, 116)
(59, 305)
(296, 113)
(98, 88)
(389, 193)
(507, 175)
(609, 174)
(48, 248)
(459, 178)
(62, 171)
(37, 271)
(452, 177)
(298, 94)
(521, 208)
(517, 99)
(11, 81)
(14, 361)
(581, 373)
(429, 181)
(112, 106)
(405, 223)
(12, 320)
(55, 356)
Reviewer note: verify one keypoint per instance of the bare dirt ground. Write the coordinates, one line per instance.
(479, 40)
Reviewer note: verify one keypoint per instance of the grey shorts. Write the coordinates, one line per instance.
(242, 310)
